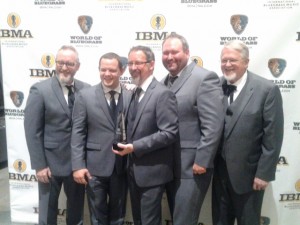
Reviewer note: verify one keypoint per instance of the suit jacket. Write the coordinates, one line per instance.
(94, 132)
(253, 133)
(201, 117)
(154, 131)
(48, 124)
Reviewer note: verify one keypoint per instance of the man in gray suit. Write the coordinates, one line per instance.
(97, 123)
(152, 128)
(201, 117)
(47, 124)
(253, 133)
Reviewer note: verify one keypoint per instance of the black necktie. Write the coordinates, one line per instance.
(113, 106)
(135, 102)
(172, 80)
(71, 97)
(229, 90)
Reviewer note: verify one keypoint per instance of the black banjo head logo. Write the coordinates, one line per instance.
(197, 60)
(17, 98)
(238, 23)
(276, 66)
(20, 165)
(48, 60)
(13, 20)
(158, 22)
(85, 23)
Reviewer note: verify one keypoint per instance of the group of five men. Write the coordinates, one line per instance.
(168, 136)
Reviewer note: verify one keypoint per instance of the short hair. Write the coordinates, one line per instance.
(146, 50)
(112, 55)
(70, 47)
(173, 35)
(239, 46)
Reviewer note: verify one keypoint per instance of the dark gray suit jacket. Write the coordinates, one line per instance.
(154, 131)
(253, 133)
(47, 125)
(201, 118)
(94, 132)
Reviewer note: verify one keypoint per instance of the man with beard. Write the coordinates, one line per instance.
(152, 130)
(201, 118)
(253, 132)
(47, 122)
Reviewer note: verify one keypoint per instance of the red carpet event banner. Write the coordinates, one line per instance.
(32, 31)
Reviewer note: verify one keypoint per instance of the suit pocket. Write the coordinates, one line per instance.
(50, 145)
(93, 146)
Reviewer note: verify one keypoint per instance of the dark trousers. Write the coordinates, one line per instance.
(228, 206)
(48, 200)
(186, 196)
(107, 199)
(145, 202)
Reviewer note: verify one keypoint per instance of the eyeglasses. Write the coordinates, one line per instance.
(130, 64)
(230, 61)
(68, 64)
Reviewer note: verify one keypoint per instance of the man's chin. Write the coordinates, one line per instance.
(66, 80)
(230, 77)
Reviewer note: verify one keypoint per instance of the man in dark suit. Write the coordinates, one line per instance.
(152, 128)
(48, 134)
(200, 107)
(97, 120)
(252, 139)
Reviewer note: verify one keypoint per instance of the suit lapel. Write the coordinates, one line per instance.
(239, 105)
(60, 95)
(101, 103)
(186, 73)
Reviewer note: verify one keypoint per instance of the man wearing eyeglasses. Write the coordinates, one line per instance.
(152, 130)
(47, 122)
(252, 137)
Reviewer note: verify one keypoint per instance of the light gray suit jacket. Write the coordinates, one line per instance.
(253, 133)
(154, 132)
(201, 118)
(94, 132)
(48, 124)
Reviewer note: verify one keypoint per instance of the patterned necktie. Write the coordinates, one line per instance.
(113, 106)
(71, 97)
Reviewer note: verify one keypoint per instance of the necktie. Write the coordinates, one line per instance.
(172, 80)
(113, 106)
(135, 102)
(229, 90)
(71, 97)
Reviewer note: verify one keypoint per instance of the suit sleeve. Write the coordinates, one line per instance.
(79, 133)
(272, 135)
(166, 119)
(34, 123)
(211, 117)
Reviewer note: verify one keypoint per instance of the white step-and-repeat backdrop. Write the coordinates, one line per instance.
(32, 31)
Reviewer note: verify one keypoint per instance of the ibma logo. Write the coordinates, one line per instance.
(20, 167)
(291, 197)
(157, 22)
(48, 61)
(14, 20)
